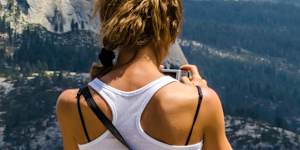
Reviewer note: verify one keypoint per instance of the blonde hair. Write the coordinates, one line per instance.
(137, 23)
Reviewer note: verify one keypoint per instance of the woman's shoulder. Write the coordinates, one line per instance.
(182, 99)
(66, 102)
(182, 94)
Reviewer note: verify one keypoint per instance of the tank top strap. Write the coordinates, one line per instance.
(132, 102)
(147, 96)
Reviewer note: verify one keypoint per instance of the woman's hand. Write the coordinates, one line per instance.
(196, 78)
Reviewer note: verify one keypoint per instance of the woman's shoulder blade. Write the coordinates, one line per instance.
(178, 92)
(179, 96)
(66, 101)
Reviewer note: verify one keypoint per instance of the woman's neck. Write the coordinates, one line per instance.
(138, 58)
(144, 65)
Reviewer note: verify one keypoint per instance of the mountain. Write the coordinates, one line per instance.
(249, 53)
(56, 15)
(243, 77)
(61, 16)
(37, 129)
(176, 57)
(247, 50)
(246, 133)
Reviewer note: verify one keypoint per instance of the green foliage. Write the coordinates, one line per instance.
(251, 90)
(264, 28)
(55, 52)
(260, 91)
(30, 107)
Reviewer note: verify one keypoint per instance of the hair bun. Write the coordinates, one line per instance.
(106, 57)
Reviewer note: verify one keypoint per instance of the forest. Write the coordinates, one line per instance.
(247, 89)
(265, 29)
(261, 91)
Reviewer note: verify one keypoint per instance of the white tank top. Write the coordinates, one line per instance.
(127, 108)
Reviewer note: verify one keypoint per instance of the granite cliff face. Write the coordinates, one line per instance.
(57, 16)
(176, 57)
(61, 16)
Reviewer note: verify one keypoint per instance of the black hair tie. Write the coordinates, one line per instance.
(106, 57)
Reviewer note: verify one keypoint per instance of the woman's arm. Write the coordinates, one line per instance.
(64, 109)
(214, 125)
(211, 114)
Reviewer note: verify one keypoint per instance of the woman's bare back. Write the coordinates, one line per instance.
(168, 117)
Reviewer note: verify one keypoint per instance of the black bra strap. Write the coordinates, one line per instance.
(196, 113)
(81, 117)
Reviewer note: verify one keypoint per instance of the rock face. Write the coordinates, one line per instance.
(59, 16)
(62, 15)
(176, 57)
(243, 131)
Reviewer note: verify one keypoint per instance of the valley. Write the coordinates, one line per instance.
(248, 51)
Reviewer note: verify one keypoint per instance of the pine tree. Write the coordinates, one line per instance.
(82, 25)
(72, 24)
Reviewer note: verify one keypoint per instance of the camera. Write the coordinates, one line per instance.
(176, 73)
